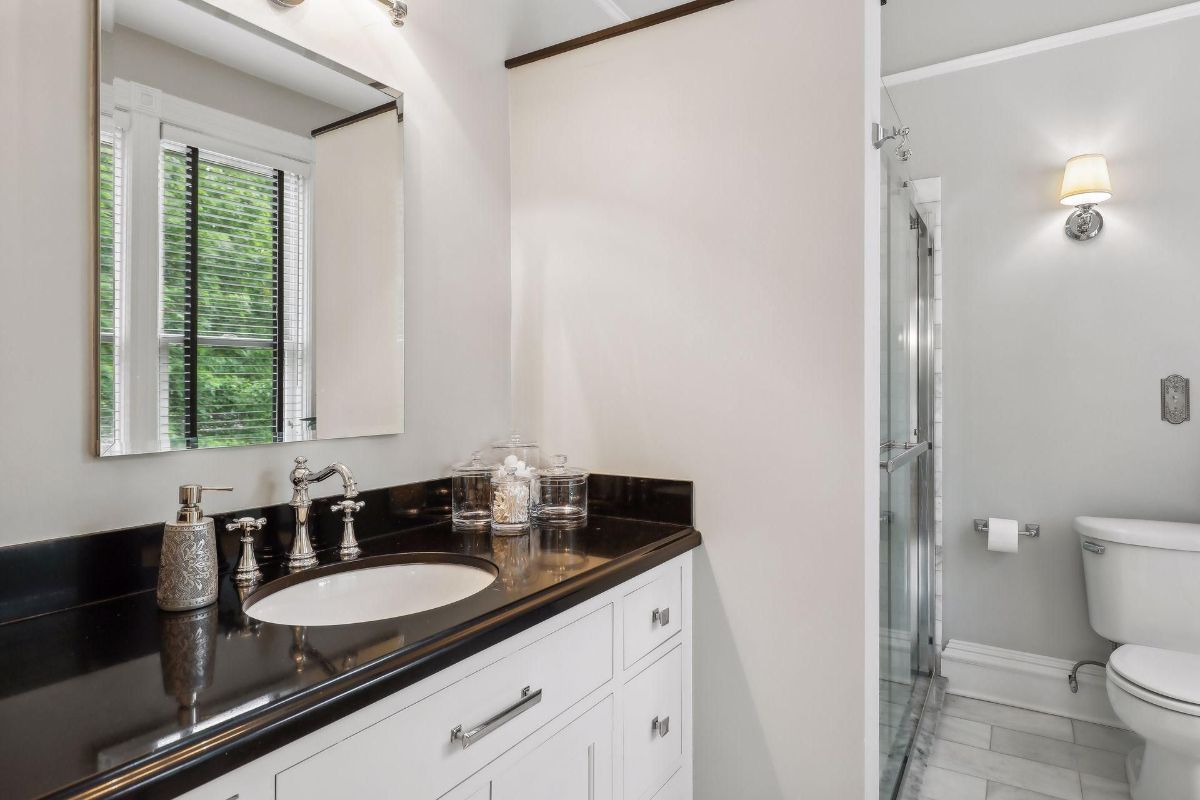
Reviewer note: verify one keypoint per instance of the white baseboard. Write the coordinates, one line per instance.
(1025, 680)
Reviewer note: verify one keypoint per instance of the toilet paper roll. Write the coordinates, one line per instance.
(1002, 535)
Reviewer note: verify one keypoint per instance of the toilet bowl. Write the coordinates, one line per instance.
(1156, 693)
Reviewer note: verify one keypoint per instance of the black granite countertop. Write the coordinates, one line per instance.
(115, 698)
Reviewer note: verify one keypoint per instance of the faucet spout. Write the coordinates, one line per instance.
(349, 487)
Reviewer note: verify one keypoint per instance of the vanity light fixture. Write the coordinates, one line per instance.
(1085, 184)
(399, 11)
(397, 8)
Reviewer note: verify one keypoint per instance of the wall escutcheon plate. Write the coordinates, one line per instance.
(1176, 399)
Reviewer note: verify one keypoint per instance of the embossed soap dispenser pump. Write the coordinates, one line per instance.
(187, 569)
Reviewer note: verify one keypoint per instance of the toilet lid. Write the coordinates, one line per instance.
(1168, 673)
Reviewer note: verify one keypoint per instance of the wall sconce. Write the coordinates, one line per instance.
(1085, 184)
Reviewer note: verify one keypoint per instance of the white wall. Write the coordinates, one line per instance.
(1054, 349)
(688, 301)
(135, 56)
(917, 33)
(448, 62)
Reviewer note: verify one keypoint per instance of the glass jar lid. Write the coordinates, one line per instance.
(513, 442)
(473, 468)
(558, 470)
(510, 473)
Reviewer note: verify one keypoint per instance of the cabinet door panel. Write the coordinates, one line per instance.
(575, 764)
(653, 752)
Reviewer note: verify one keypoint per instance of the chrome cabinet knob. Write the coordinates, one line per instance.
(661, 725)
(661, 616)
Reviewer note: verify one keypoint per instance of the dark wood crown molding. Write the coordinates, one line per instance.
(616, 30)
(350, 120)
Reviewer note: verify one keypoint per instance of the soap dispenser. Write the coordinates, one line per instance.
(187, 570)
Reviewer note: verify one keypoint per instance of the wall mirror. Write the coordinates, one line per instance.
(249, 262)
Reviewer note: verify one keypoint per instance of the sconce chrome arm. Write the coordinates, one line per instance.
(1084, 223)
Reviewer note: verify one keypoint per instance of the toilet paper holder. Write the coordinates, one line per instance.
(1030, 529)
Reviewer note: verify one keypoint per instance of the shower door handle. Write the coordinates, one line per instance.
(909, 453)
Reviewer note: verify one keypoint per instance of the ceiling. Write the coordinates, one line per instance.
(182, 24)
(532, 25)
(541, 23)
(917, 33)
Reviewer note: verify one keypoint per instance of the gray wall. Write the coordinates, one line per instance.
(1054, 349)
(457, 365)
(688, 301)
(917, 33)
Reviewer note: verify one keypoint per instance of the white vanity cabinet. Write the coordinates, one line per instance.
(592, 704)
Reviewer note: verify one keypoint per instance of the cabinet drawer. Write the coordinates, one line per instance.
(652, 614)
(653, 751)
(411, 754)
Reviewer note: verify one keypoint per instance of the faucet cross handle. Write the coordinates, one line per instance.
(247, 572)
(247, 525)
(349, 548)
(348, 507)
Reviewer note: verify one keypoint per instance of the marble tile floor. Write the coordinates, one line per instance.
(988, 751)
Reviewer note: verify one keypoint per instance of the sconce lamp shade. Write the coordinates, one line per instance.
(1086, 181)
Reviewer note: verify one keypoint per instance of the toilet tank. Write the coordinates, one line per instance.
(1143, 581)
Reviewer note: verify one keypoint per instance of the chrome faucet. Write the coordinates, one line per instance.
(301, 554)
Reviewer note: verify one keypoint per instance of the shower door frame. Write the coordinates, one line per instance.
(922, 570)
(918, 398)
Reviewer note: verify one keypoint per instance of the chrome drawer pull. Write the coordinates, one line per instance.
(661, 725)
(661, 616)
(1092, 547)
(528, 700)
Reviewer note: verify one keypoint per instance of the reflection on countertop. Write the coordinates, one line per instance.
(118, 698)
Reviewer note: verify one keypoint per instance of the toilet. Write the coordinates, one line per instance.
(1143, 592)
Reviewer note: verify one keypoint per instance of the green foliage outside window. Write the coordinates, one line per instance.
(235, 396)
(107, 294)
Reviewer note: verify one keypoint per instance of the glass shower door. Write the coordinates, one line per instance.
(906, 653)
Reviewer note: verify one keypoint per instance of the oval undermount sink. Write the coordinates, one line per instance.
(368, 592)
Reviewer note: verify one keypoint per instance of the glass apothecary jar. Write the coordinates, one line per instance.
(511, 499)
(562, 493)
(471, 494)
(516, 451)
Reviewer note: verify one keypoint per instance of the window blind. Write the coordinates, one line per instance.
(111, 245)
(231, 245)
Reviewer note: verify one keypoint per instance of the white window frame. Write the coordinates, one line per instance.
(112, 130)
(146, 117)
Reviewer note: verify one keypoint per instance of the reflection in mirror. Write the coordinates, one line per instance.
(250, 225)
